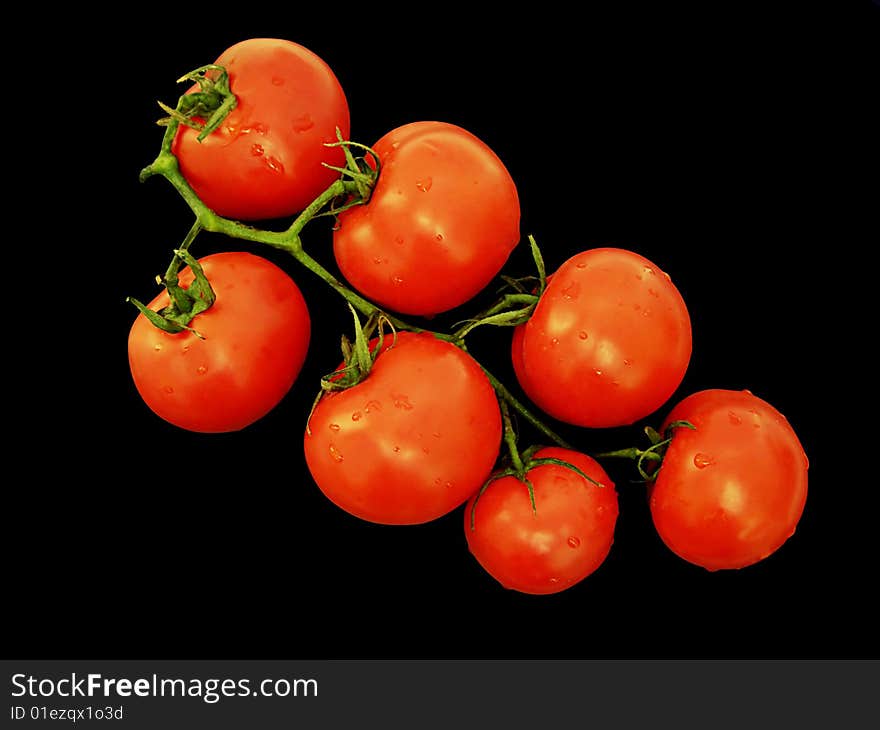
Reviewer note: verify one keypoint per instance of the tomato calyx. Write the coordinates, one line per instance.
(648, 461)
(514, 307)
(362, 170)
(357, 357)
(206, 109)
(518, 464)
(187, 303)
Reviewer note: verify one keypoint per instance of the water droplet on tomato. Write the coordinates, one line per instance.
(583, 335)
(701, 460)
(399, 240)
(303, 123)
(402, 401)
(157, 347)
(372, 405)
(396, 449)
(356, 416)
(554, 342)
(748, 392)
(436, 434)
(654, 293)
(426, 450)
(397, 280)
(627, 362)
(334, 427)
(185, 349)
(257, 150)
(597, 371)
(438, 482)
(395, 145)
(581, 265)
(438, 237)
(648, 270)
(735, 420)
(600, 509)
(574, 542)
(201, 369)
(448, 485)
(554, 580)
(377, 260)
(424, 184)
(571, 292)
(277, 81)
(335, 454)
(168, 389)
(274, 164)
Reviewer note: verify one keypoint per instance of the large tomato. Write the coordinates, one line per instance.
(265, 159)
(563, 540)
(608, 343)
(441, 221)
(256, 336)
(410, 442)
(732, 491)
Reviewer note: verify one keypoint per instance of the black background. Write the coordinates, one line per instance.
(708, 141)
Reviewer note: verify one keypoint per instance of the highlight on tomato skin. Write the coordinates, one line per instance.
(440, 224)
(267, 158)
(563, 540)
(730, 492)
(253, 343)
(413, 440)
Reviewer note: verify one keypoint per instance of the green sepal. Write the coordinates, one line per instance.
(155, 318)
(212, 102)
(561, 462)
(539, 265)
(186, 304)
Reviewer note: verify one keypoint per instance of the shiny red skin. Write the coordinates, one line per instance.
(608, 343)
(413, 440)
(440, 224)
(731, 492)
(256, 335)
(265, 159)
(565, 540)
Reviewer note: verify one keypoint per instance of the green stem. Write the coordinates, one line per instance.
(632, 453)
(174, 266)
(510, 440)
(505, 394)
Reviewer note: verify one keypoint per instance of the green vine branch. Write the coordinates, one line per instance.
(214, 101)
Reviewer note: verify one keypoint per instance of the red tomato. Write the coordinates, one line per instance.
(731, 492)
(564, 540)
(608, 343)
(413, 440)
(264, 161)
(441, 222)
(256, 336)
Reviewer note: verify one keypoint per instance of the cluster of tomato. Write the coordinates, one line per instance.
(606, 342)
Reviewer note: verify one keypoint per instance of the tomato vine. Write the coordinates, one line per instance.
(353, 188)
